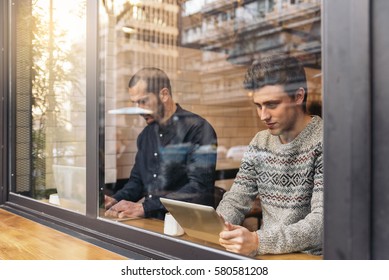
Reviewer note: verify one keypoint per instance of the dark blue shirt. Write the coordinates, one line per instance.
(176, 160)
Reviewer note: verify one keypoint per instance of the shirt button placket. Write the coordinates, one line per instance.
(155, 175)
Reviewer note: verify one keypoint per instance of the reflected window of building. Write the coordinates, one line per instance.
(49, 105)
(205, 47)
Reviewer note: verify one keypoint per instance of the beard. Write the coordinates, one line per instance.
(160, 114)
(157, 115)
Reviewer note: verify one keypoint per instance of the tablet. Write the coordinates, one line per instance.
(199, 221)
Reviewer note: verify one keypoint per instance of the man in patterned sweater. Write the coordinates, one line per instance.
(283, 166)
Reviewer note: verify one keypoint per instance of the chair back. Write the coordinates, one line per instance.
(218, 194)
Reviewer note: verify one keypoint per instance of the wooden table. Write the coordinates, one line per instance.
(23, 239)
(157, 226)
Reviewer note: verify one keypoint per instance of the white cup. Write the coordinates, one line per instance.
(54, 199)
(171, 227)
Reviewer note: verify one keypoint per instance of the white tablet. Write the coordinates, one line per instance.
(199, 221)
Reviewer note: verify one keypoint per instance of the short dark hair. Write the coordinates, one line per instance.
(286, 71)
(155, 79)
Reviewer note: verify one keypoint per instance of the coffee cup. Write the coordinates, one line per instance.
(171, 227)
(54, 199)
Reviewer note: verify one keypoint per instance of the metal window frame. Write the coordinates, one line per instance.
(380, 130)
(347, 129)
(356, 129)
(92, 110)
(356, 132)
(3, 99)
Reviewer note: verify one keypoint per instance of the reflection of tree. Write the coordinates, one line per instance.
(55, 70)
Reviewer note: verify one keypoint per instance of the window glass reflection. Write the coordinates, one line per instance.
(50, 102)
(205, 48)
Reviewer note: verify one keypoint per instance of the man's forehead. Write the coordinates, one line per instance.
(270, 91)
(139, 90)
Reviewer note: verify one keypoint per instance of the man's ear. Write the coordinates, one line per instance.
(299, 96)
(164, 94)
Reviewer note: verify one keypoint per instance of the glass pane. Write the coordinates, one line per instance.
(50, 102)
(205, 48)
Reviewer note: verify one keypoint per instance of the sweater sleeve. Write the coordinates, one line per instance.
(239, 199)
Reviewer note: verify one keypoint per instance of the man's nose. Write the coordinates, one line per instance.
(264, 114)
(144, 105)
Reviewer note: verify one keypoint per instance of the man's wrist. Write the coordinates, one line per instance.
(256, 242)
(141, 209)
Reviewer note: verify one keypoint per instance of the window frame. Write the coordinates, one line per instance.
(3, 99)
(380, 129)
(356, 129)
(355, 153)
(347, 129)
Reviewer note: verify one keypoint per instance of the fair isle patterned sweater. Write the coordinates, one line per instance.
(289, 181)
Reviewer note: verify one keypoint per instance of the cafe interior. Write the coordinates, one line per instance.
(69, 143)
